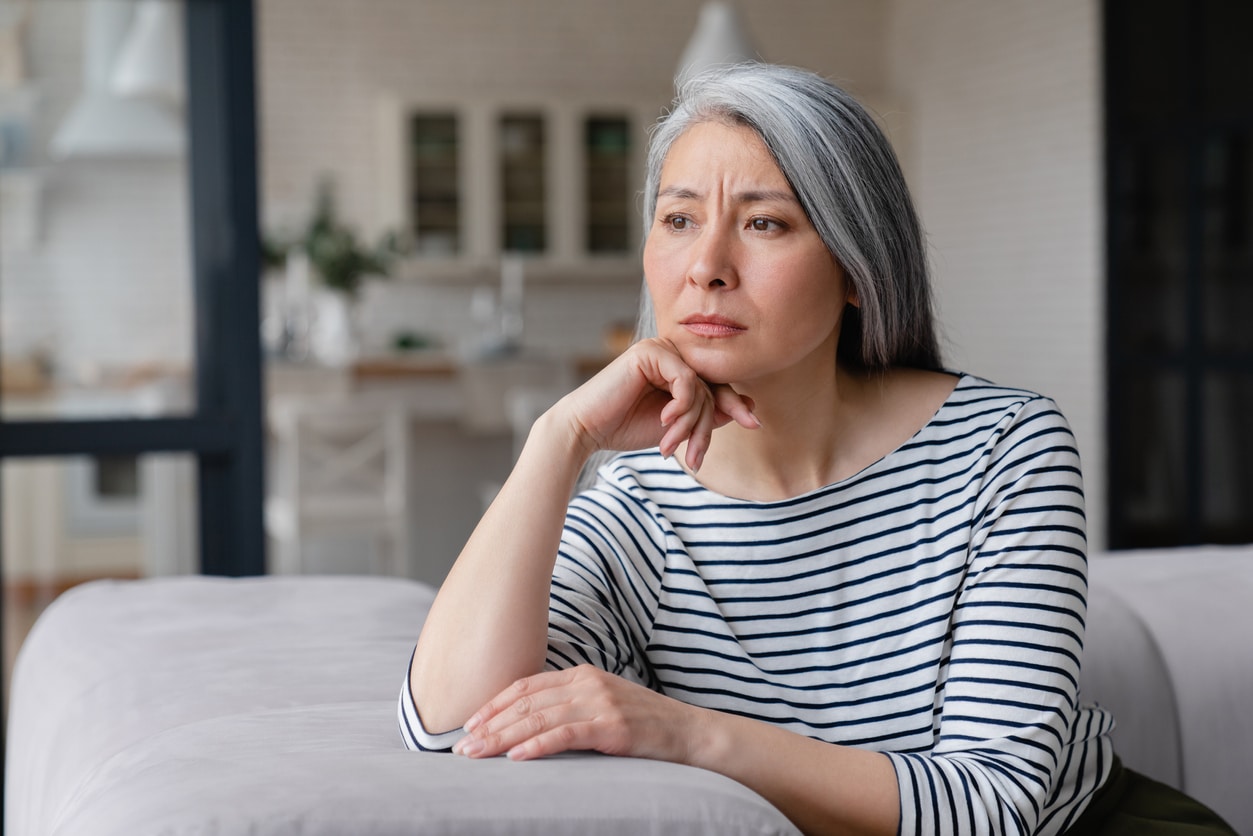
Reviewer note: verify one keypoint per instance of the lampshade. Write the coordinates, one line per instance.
(150, 60)
(720, 39)
(102, 123)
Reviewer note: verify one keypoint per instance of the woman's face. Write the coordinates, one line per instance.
(740, 281)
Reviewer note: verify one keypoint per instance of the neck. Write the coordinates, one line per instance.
(805, 440)
(821, 433)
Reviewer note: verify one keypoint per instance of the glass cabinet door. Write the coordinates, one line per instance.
(523, 189)
(435, 183)
(606, 153)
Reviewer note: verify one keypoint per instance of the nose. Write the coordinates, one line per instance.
(712, 264)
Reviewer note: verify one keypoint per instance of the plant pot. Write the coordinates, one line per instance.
(335, 335)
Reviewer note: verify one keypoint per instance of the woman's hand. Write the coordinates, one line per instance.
(581, 708)
(650, 396)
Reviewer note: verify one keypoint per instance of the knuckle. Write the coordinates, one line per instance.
(523, 705)
(537, 723)
(565, 736)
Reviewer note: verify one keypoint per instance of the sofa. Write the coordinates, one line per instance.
(267, 706)
(1170, 652)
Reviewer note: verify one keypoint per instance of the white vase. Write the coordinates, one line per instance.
(334, 337)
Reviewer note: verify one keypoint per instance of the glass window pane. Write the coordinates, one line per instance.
(435, 184)
(1151, 75)
(607, 147)
(70, 520)
(1227, 514)
(1227, 275)
(1150, 248)
(523, 183)
(95, 270)
(1224, 58)
(1149, 479)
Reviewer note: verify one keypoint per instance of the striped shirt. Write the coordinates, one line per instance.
(930, 607)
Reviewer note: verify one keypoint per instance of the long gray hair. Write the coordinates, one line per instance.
(849, 183)
(847, 179)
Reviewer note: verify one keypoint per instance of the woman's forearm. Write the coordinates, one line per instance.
(488, 625)
(823, 788)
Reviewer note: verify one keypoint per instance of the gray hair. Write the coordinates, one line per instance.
(849, 183)
(847, 179)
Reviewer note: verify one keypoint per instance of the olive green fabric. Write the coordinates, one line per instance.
(1131, 804)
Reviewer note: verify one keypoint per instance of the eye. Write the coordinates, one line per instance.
(762, 224)
(676, 222)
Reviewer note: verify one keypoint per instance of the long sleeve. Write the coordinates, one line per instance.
(605, 585)
(1010, 714)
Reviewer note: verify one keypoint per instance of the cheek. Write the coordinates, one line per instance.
(815, 303)
(657, 272)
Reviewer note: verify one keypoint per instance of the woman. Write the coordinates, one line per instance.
(825, 567)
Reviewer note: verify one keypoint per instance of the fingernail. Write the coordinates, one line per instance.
(472, 724)
(470, 748)
(515, 753)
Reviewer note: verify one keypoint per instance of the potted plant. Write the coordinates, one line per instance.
(336, 255)
(331, 254)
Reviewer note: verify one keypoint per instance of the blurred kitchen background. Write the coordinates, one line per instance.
(466, 176)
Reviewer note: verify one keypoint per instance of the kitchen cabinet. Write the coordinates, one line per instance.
(554, 181)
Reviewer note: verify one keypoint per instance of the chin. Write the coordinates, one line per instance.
(713, 365)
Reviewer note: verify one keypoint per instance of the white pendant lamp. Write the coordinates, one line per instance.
(104, 124)
(720, 39)
(150, 60)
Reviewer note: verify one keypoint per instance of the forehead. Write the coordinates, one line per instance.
(723, 151)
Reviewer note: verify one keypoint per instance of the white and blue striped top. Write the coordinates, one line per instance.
(931, 607)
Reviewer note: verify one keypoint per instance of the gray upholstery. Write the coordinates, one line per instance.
(1170, 652)
(268, 706)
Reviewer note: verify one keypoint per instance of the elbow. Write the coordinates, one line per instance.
(422, 729)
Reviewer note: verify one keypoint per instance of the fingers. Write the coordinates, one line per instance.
(521, 691)
(650, 395)
(526, 709)
(580, 709)
(736, 407)
(696, 409)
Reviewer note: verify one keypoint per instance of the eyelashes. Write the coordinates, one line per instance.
(678, 222)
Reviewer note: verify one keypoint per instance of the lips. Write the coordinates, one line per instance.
(712, 325)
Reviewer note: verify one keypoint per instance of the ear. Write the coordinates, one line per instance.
(853, 298)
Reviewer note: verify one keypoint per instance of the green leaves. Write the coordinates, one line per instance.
(338, 257)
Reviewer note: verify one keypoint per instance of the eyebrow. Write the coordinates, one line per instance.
(753, 196)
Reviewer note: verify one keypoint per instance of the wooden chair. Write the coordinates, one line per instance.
(341, 469)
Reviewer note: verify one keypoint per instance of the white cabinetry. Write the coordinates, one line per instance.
(555, 181)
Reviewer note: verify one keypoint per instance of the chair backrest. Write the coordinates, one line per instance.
(342, 457)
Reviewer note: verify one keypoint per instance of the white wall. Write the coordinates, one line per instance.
(1002, 106)
(107, 284)
(322, 63)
